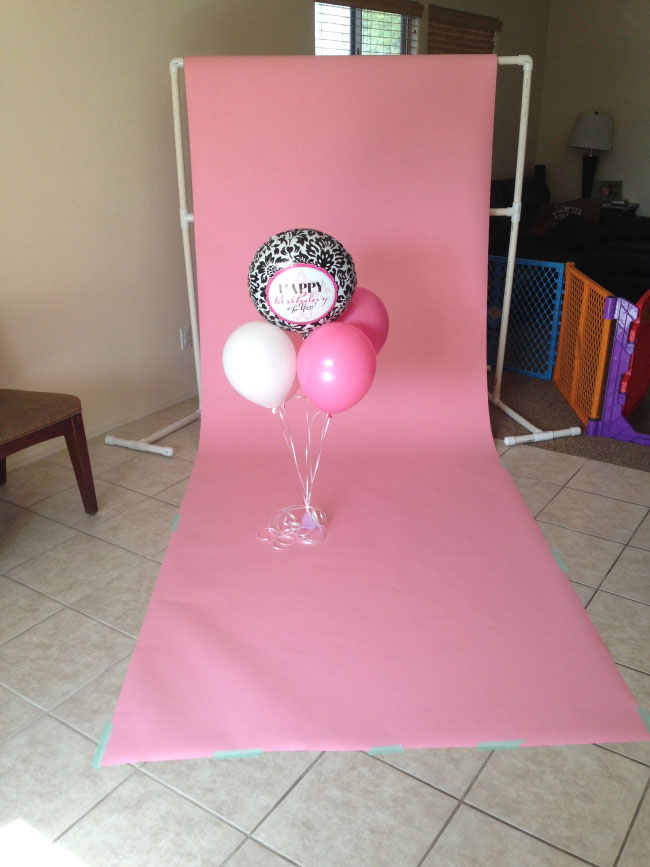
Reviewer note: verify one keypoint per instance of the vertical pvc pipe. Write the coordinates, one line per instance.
(527, 63)
(174, 66)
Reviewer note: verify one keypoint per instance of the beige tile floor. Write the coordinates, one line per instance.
(73, 593)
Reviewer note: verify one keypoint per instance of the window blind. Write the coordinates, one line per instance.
(452, 32)
(367, 27)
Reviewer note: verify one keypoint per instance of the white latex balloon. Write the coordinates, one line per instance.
(259, 361)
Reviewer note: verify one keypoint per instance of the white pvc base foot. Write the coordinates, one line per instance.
(541, 436)
(536, 435)
(146, 444)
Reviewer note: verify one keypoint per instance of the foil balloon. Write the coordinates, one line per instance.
(301, 279)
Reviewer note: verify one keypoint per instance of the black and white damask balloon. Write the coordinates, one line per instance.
(301, 279)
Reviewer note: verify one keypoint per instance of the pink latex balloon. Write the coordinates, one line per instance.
(336, 366)
(367, 312)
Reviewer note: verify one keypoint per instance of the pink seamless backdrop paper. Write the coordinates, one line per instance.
(435, 614)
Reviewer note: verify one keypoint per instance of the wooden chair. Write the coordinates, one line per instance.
(30, 417)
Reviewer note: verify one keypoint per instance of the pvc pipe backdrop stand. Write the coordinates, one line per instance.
(434, 615)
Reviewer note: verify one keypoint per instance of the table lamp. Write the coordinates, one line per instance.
(592, 132)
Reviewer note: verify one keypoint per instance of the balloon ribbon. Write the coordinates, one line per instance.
(303, 523)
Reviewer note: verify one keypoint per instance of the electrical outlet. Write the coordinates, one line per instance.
(186, 338)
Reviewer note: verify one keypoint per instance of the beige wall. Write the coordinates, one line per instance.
(597, 60)
(524, 32)
(93, 283)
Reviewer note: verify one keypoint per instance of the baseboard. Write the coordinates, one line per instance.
(51, 447)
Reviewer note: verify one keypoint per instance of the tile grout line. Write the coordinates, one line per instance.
(546, 505)
(53, 548)
(609, 496)
(100, 476)
(607, 572)
(151, 495)
(632, 668)
(239, 846)
(72, 728)
(593, 593)
(636, 529)
(222, 818)
(51, 711)
(63, 490)
(631, 825)
(65, 607)
(620, 596)
(514, 476)
(122, 547)
(585, 461)
(78, 532)
(616, 559)
(148, 496)
(608, 749)
(265, 846)
(22, 583)
(3, 644)
(637, 547)
(463, 802)
(591, 535)
(460, 802)
(92, 680)
(103, 622)
(561, 485)
(286, 794)
(43, 713)
(412, 776)
(599, 586)
(577, 530)
(142, 769)
(17, 694)
(605, 496)
(532, 836)
(94, 806)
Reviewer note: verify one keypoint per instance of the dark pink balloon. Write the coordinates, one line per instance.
(336, 366)
(367, 312)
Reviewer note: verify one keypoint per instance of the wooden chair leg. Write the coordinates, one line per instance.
(75, 438)
(3, 470)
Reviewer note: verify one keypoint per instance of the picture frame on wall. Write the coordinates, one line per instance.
(610, 189)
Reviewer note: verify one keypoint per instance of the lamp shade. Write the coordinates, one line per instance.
(592, 131)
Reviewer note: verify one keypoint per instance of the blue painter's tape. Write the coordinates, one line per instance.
(379, 751)
(175, 522)
(645, 716)
(237, 754)
(499, 745)
(102, 744)
(560, 562)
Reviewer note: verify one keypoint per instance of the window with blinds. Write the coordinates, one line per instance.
(452, 32)
(368, 27)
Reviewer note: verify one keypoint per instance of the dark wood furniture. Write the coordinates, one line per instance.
(30, 417)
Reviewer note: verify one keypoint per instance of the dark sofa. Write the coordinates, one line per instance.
(612, 249)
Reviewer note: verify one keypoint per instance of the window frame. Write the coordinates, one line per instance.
(411, 13)
(455, 32)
